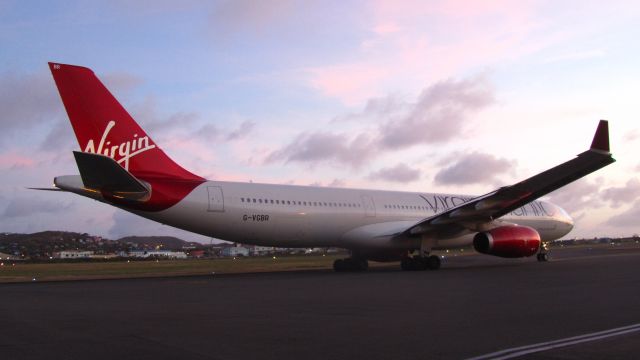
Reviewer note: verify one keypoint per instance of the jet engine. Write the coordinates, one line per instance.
(508, 241)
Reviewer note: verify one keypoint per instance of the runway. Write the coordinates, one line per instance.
(474, 305)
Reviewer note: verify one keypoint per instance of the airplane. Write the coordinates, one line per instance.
(120, 165)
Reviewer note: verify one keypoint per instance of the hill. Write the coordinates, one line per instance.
(44, 244)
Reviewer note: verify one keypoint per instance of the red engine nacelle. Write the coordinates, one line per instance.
(508, 241)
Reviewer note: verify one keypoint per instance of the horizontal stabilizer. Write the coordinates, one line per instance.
(45, 189)
(103, 174)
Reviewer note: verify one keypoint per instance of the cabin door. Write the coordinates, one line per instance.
(216, 200)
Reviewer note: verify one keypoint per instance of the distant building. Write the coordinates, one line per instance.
(157, 253)
(104, 256)
(234, 251)
(261, 250)
(196, 254)
(4, 256)
(72, 254)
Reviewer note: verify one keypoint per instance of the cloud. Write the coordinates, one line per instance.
(474, 168)
(576, 56)
(628, 218)
(410, 43)
(378, 109)
(438, 116)
(210, 132)
(619, 196)
(325, 146)
(13, 160)
(123, 82)
(577, 196)
(155, 124)
(239, 17)
(243, 130)
(401, 173)
(631, 135)
(439, 113)
(23, 206)
(333, 183)
(27, 100)
(31, 100)
(337, 183)
(60, 136)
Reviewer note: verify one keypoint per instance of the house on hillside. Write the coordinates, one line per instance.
(157, 253)
(4, 256)
(72, 254)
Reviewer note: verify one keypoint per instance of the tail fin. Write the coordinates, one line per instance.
(103, 126)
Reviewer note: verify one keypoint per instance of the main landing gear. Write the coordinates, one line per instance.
(350, 264)
(423, 260)
(543, 255)
(418, 263)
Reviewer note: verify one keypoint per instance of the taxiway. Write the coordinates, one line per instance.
(474, 305)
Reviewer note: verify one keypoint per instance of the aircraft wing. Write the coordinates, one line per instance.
(495, 204)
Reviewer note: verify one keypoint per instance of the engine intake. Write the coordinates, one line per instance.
(508, 241)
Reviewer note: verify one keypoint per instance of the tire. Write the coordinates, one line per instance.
(543, 257)
(433, 262)
(407, 264)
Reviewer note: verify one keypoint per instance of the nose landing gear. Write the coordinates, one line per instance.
(543, 255)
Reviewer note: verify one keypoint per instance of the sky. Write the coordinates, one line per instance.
(432, 96)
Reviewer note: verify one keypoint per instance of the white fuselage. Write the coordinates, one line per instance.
(303, 216)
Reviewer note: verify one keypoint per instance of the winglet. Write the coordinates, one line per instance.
(601, 138)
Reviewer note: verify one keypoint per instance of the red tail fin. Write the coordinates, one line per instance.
(103, 126)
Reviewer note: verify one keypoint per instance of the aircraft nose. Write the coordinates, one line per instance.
(565, 218)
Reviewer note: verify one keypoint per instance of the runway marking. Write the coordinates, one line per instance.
(544, 346)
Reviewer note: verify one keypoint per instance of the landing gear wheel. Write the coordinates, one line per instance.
(433, 262)
(419, 263)
(407, 264)
(361, 264)
(542, 257)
